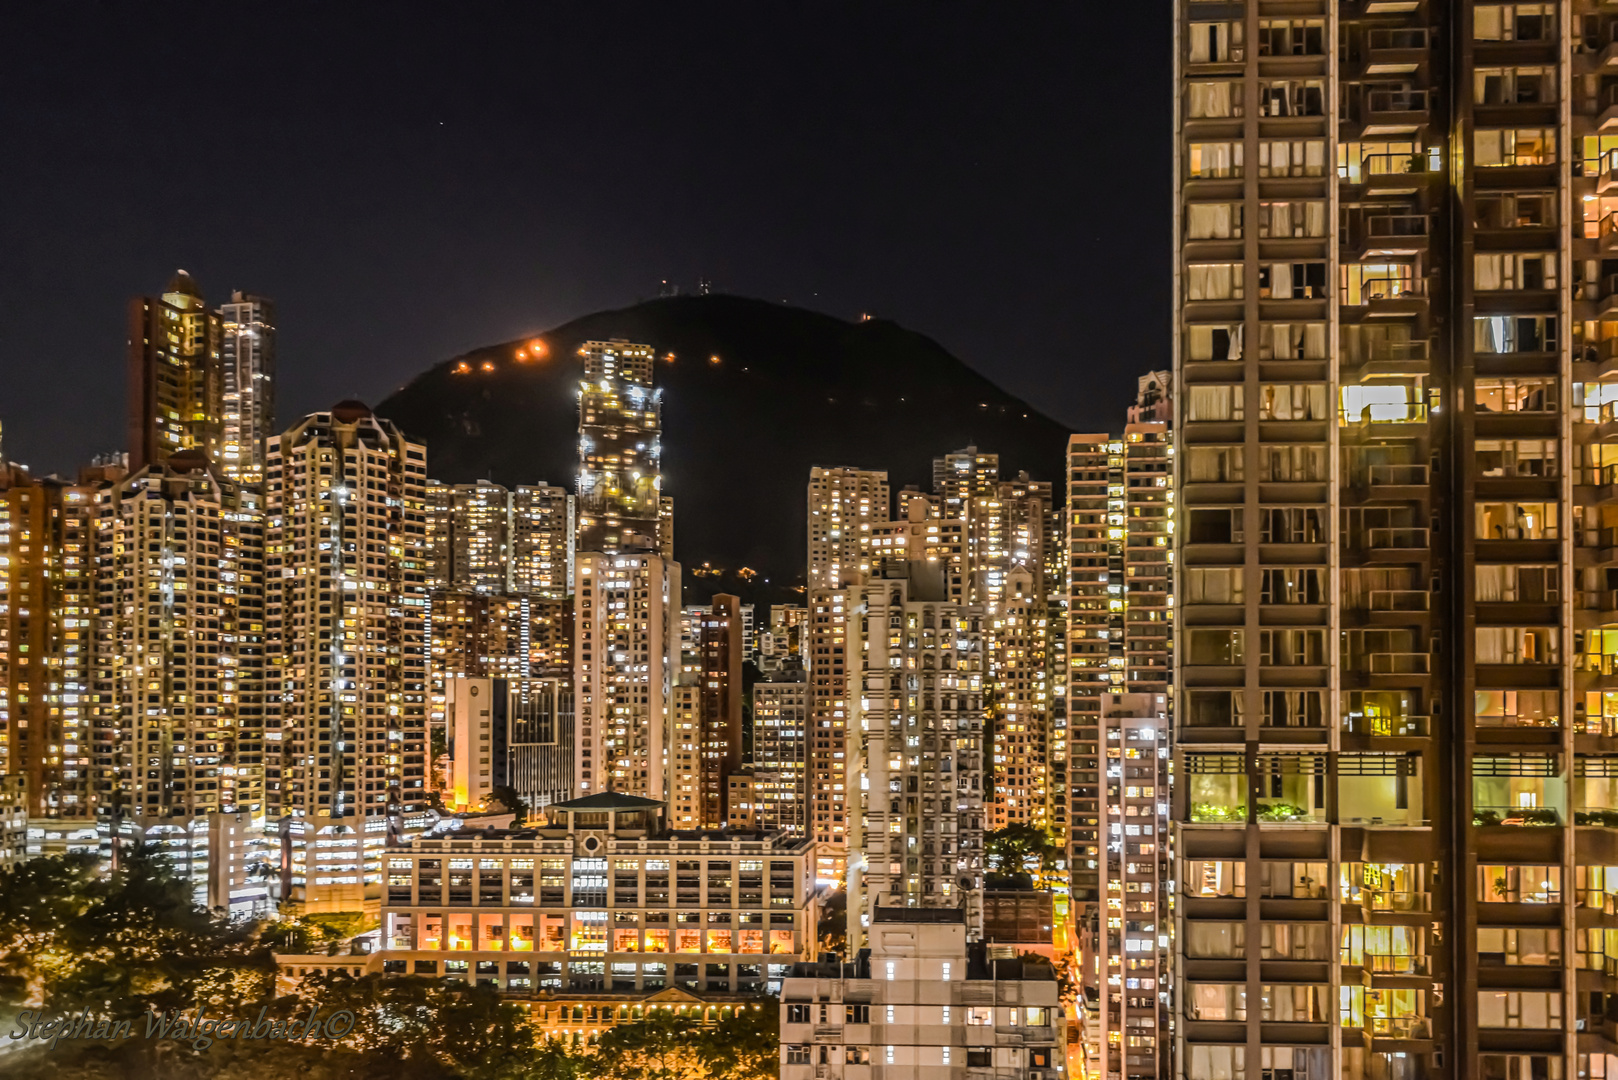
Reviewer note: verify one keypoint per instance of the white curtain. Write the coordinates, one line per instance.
(1314, 221)
(1214, 403)
(1209, 221)
(1281, 281)
(1486, 272)
(1209, 100)
(1210, 281)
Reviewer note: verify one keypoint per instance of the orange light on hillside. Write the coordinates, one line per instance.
(538, 349)
(522, 354)
(462, 368)
(713, 359)
(669, 358)
(488, 365)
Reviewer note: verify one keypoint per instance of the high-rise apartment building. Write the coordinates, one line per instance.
(247, 386)
(1121, 527)
(346, 566)
(780, 759)
(627, 649)
(1393, 664)
(915, 740)
(491, 539)
(682, 747)
(48, 607)
(176, 379)
(844, 504)
(961, 475)
(179, 646)
(720, 647)
(620, 451)
(830, 665)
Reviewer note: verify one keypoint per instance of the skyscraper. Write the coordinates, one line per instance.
(179, 647)
(620, 450)
(628, 652)
(780, 756)
(346, 566)
(247, 386)
(176, 378)
(1393, 661)
(48, 607)
(720, 648)
(915, 708)
(1121, 506)
(492, 539)
(843, 505)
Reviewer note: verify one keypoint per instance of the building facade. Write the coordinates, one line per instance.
(843, 505)
(602, 905)
(915, 742)
(247, 386)
(627, 648)
(175, 375)
(346, 568)
(780, 760)
(486, 538)
(924, 1004)
(1392, 665)
(620, 451)
(720, 648)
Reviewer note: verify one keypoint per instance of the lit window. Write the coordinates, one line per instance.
(890, 1055)
(946, 971)
(891, 967)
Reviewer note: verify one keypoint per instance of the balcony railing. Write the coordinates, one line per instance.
(1398, 538)
(1400, 663)
(1395, 225)
(1409, 600)
(1398, 475)
(1399, 1027)
(1392, 901)
(1396, 100)
(1596, 816)
(1385, 727)
(1396, 964)
(1399, 38)
(1524, 816)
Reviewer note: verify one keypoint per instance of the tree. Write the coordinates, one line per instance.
(1024, 849)
(506, 796)
(660, 1047)
(831, 932)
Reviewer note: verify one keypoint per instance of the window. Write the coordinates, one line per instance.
(797, 1014)
(797, 1055)
(1214, 403)
(1213, 281)
(1495, 272)
(1519, 1009)
(890, 1055)
(892, 968)
(1215, 42)
(1514, 146)
(1292, 281)
(1513, 22)
(1291, 157)
(858, 1014)
(1213, 160)
(1278, 220)
(946, 1055)
(1213, 221)
(946, 971)
(1213, 100)
(890, 1014)
(1514, 334)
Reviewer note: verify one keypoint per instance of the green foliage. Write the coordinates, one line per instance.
(831, 933)
(1218, 812)
(134, 942)
(506, 796)
(1282, 812)
(1024, 849)
(667, 1046)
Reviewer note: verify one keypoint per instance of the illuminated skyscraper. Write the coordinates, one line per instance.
(48, 608)
(620, 450)
(176, 377)
(346, 567)
(627, 650)
(492, 539)
(915, 831)
(247, 385)
(719, 644)
(844, 504)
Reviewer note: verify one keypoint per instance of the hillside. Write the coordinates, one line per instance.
(755, 395)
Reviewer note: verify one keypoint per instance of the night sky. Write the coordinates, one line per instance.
(407, 187)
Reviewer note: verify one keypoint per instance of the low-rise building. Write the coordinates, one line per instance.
(602, 907)
(922, 1004)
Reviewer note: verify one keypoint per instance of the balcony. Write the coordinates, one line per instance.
(1392, 234)
(1397, 964)
(1388, 727)
(1394, 111)
(1391, 902)
(1520, 816)
(1399, 1027)
(1389, 358)
(1387, 297)
(1400, 663)
(1395, 51)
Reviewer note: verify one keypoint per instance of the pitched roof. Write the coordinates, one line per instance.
(608, 800)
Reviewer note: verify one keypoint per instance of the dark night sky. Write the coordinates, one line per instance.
(407, 186)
